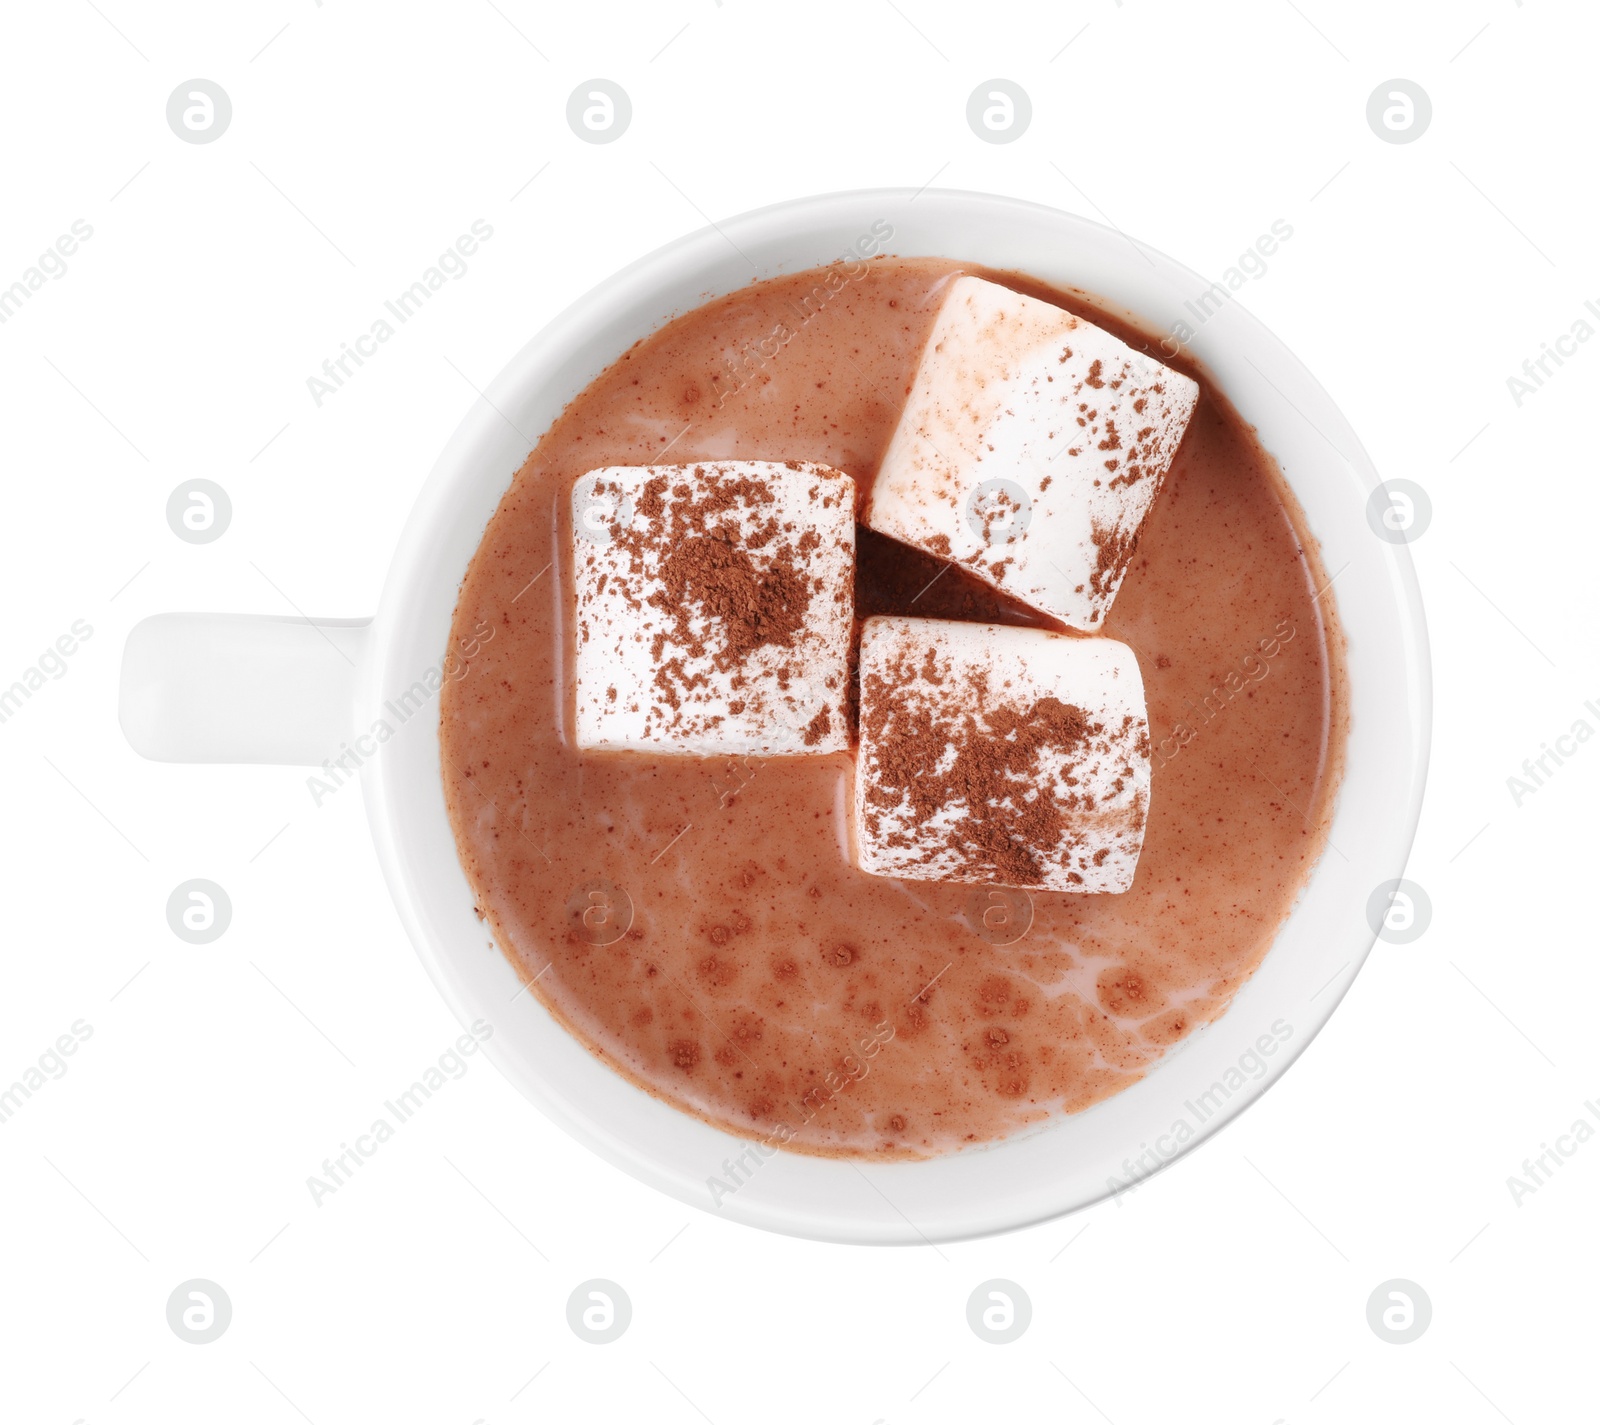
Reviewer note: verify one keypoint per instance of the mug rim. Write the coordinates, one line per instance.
(417, 562)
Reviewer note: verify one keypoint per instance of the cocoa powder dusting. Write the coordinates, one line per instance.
(1013, 807)
(723, 605)
(751, 608)
(1113, 549)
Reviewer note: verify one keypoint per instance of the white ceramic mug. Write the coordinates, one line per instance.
(217, 687)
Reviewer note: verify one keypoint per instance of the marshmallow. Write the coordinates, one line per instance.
(714, 607)
(1010, 756)
(1030, 450)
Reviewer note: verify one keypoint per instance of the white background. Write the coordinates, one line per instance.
(365, 138)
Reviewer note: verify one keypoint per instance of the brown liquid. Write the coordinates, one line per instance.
(767, 985)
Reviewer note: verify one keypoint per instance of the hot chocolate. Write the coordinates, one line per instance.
(704, 924)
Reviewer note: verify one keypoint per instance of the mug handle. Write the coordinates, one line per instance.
(241, 687)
